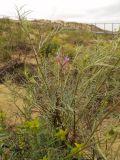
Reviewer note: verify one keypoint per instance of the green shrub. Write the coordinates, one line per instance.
(69, 50)
(50, 48)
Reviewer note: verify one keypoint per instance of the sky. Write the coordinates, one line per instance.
(90, 11)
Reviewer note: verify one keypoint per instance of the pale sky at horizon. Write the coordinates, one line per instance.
(68, 10)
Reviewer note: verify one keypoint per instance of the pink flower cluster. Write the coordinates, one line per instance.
(62, 60)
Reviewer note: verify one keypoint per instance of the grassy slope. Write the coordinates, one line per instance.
(13, 42)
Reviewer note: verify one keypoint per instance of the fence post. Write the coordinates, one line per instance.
(112, 28)
(104, 27)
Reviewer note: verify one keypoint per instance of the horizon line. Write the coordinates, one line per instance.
(67, 21)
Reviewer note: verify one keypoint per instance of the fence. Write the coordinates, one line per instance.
(106, 28)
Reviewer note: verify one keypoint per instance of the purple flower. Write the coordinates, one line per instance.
(62, 61)
(66, 60)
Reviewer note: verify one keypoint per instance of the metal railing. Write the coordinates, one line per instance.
(105, 28)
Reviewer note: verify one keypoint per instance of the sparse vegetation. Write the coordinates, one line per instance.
(69, 90)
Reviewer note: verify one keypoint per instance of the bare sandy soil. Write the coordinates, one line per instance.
(7, 104)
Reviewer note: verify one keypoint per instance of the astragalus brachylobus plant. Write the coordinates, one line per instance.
(77, 99)
(74, 101)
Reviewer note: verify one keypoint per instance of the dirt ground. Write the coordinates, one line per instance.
(7, 104)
